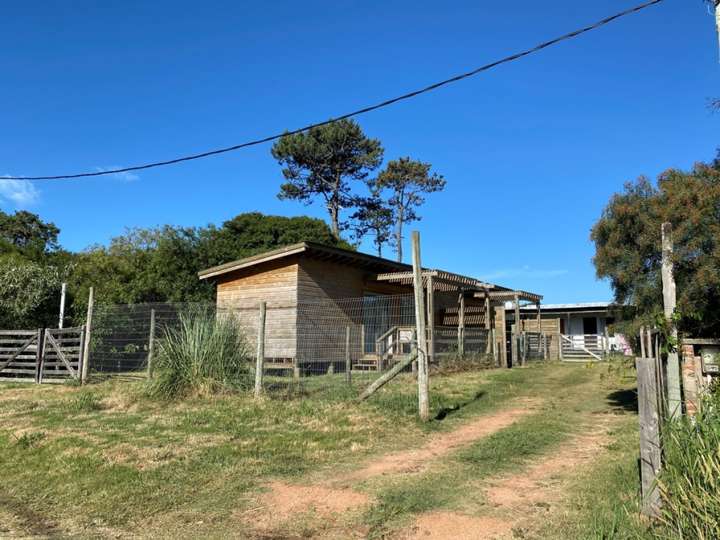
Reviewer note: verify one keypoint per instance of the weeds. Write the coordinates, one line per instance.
(690, 481)
(29, 440)
(84, 402)
(203, 356)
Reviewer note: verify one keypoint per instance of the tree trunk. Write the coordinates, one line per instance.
(334, 221)
(398, 234)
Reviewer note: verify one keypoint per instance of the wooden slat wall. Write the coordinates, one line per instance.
(25, 364)
(69, 340)
(274, 283)
(550, 327)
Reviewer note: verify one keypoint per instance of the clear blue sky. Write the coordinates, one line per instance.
(531, 150)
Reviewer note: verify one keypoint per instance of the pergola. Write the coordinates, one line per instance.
(441, 281)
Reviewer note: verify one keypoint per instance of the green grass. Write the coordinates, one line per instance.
(130, 462)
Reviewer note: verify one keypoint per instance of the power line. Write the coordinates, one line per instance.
(357, 112)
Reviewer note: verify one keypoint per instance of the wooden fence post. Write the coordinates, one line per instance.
(650, 449)
(348, 361)
(39, 355)
(88, 337)
(260, 358)
(423, 377)
(151, 345)
(63, 291)
(669, 302)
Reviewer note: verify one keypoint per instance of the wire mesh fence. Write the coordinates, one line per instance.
(311, 346)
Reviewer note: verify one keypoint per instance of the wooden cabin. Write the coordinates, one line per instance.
(323, 301)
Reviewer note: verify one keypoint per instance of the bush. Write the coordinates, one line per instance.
(690, 481)
(204, 355)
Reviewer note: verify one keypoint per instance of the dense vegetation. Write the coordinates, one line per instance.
(628, 245)
(143, 265)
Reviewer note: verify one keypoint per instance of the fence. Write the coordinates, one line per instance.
(42, 355)
(318, 338)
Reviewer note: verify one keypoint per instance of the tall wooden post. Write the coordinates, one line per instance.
(488, 326)
(88, 336)
(516, 335)
(650, 450)
(669, 303)
(642, 342)
(430, 319)
(423, 375)
(348, 361)
(461, 323)
(151, 345)
(539, 317)
(63, 290)
(260, 357)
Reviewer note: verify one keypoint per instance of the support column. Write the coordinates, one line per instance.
(516, 335)
(489, 349)
(669, 303)
(461, 323)
(431, 319)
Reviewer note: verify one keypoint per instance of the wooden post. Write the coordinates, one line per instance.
(669, 302)
(642, 342)
(560, 346)
(260, 357)
(430, 319)
(650, 449)
(151, 345)
(423, 375)
(39, 355)
(386, 377)
(515, 340)
(63, 290)
(348, 362)
(88, 336)
(488, 326)
(461, 323)
(539, 317)
(414, 352)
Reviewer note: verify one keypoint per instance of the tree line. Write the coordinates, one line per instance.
(334, 163)
(628, 250)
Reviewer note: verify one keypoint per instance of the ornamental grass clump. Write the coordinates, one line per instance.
(203, 355)
(690, 481)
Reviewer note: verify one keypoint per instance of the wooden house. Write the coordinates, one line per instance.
(323, 301)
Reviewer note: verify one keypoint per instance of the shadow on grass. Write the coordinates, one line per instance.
(625, 400)
(444, 412)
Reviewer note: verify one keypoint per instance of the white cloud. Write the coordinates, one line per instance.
(20, 193)
(124, 176)
(525, 272)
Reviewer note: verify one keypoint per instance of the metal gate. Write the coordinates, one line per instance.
(43, 355)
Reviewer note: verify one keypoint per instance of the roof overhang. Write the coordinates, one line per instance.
(441, 280)
(317, 251)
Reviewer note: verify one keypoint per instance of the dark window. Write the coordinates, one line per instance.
(590, 325)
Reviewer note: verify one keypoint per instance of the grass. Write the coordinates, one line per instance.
(135, 464)
(204, 355)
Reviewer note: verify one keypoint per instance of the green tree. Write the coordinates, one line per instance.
(628, 246)
(373, 217)
(407, 180)
(26, 233)
(29, 293)
(324, 162)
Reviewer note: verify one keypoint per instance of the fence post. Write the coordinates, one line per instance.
(260, 358)
(669, 303)
(422, 372)
(63, 290)
(650, 449)
(39, 355)
(88, 336)
(348, 362)
(151, 345)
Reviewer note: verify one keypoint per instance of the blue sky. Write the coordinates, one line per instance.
(531, 151)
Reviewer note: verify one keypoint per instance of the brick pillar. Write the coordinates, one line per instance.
(691, 378)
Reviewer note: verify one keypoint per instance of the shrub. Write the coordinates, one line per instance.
(203, 355)
(690, 481)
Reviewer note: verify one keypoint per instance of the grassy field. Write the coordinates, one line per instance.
(104, 460)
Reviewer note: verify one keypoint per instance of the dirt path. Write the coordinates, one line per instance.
(416, 460)
(335, 498)
(519, 499)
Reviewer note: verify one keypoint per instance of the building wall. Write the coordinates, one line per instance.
(330, 301)
(274, 282)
